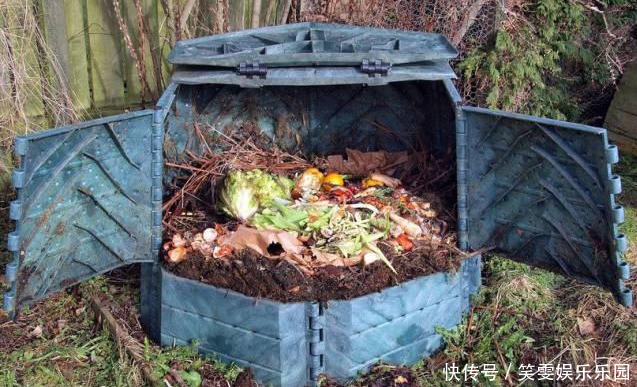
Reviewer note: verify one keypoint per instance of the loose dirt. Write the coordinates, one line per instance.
(279, 280)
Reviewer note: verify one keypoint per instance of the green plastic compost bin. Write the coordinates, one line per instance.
(89, 196)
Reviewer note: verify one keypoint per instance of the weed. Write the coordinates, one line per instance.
(65, 351)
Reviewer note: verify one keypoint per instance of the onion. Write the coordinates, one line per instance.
(210, 235)
(179, 241)
(370, 258)
(177, 254)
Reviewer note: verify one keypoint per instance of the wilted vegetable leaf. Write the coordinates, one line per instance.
(243, 193)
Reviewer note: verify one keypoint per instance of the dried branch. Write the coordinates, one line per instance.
(139, 65)
(269, 10)
(468, 21)
(286, 12)
(256, 13)
(183, 19)
(144, 30)
(600, 12)
(124, 339)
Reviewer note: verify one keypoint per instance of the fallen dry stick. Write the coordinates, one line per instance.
(121, 336)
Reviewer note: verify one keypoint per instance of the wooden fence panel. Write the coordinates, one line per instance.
(106, 59)
(99, 69)
(57, 42)
(77, 38)
(133, 82)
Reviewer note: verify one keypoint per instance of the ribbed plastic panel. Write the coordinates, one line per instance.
(82, 206)
(289, 345)
(543, 192)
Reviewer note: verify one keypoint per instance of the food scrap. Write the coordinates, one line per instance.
(315, 217)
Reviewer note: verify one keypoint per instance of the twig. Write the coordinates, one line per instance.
(468, 21)
(268, 12)
(507, 11)
(470, 322)
(286, 12)
(600, 12)
(103, 315)
(201, 137)
(191, 168)
(139, 65)
(170, 20)
(178, 379)
(177, 20)
(186, 12)
(233, 154)
(503, 362)
(145, 31)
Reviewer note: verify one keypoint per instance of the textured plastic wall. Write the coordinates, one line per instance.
(314, 120)
(289, 345)
(543, 192)
(83, 205)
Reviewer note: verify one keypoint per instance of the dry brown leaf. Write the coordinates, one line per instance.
(362, 163)
(36, 332)
(260, 240)
(400, 379)
(586, 326)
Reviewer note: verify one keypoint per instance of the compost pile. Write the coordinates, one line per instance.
(252, 218)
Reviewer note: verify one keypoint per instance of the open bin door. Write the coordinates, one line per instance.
(542, 192)
(83, 204)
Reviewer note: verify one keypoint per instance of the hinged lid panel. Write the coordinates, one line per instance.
(541, 192)
(314, 76)
(312, 44)
(83, 205)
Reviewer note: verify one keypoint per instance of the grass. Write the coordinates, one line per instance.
(60, 346)
(531, 316)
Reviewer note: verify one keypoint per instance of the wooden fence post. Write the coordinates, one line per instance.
(57, 42)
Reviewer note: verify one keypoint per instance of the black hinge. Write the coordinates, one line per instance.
(316, 342)
(251, 70)
(375, 67)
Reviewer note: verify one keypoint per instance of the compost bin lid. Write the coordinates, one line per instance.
(313, 44)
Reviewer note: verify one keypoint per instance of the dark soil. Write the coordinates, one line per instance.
(14, 334)
(261, 277)
(382, 376)
(245, 379)
(213, 378)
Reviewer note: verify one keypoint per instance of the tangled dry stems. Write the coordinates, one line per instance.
(207, 170)
(33, 95)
